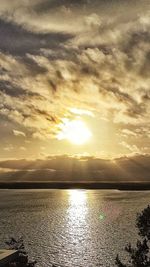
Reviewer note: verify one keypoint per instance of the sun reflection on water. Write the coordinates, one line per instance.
(77, 197)
(77, 210)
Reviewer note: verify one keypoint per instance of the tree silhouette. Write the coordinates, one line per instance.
(22, 259)
(139, 256)
(143, 223)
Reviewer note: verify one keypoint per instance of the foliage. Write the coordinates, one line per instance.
(143, 223)
(22, 260)
(139, 256)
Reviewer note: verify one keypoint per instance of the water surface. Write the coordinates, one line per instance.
(85, 228)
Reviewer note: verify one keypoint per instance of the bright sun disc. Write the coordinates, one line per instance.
(75, 131)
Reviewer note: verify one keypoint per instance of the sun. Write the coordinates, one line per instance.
(74, 131)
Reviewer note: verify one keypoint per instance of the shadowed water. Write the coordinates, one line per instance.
(71, 227)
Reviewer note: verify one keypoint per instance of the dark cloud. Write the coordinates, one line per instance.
(32, 66)
(18, 41)
(135, 168)
(48, 5)
(43, 113)
(144, 70)
(8, 88)
(135, 37)
(89, 4)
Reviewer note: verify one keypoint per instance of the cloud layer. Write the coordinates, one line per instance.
(83, 169)
(57, 55)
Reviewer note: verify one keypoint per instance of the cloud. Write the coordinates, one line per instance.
(93, 21)
(58, 3)
(132, 148)
(22, 148)
(18, 41)
(127, 132)
(18, 133)
(64, 168)
(9, 148)
(59, 55)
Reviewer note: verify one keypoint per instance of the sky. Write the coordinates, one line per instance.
(74, 81)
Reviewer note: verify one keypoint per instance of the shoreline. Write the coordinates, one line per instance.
(135, 186)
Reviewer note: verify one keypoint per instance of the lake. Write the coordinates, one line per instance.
(85, 228)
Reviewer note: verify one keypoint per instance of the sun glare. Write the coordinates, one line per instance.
(74, 131)
(77, 196)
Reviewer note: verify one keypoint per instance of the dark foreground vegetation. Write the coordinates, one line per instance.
(139, 256)
(22, 259)
(76, 185)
